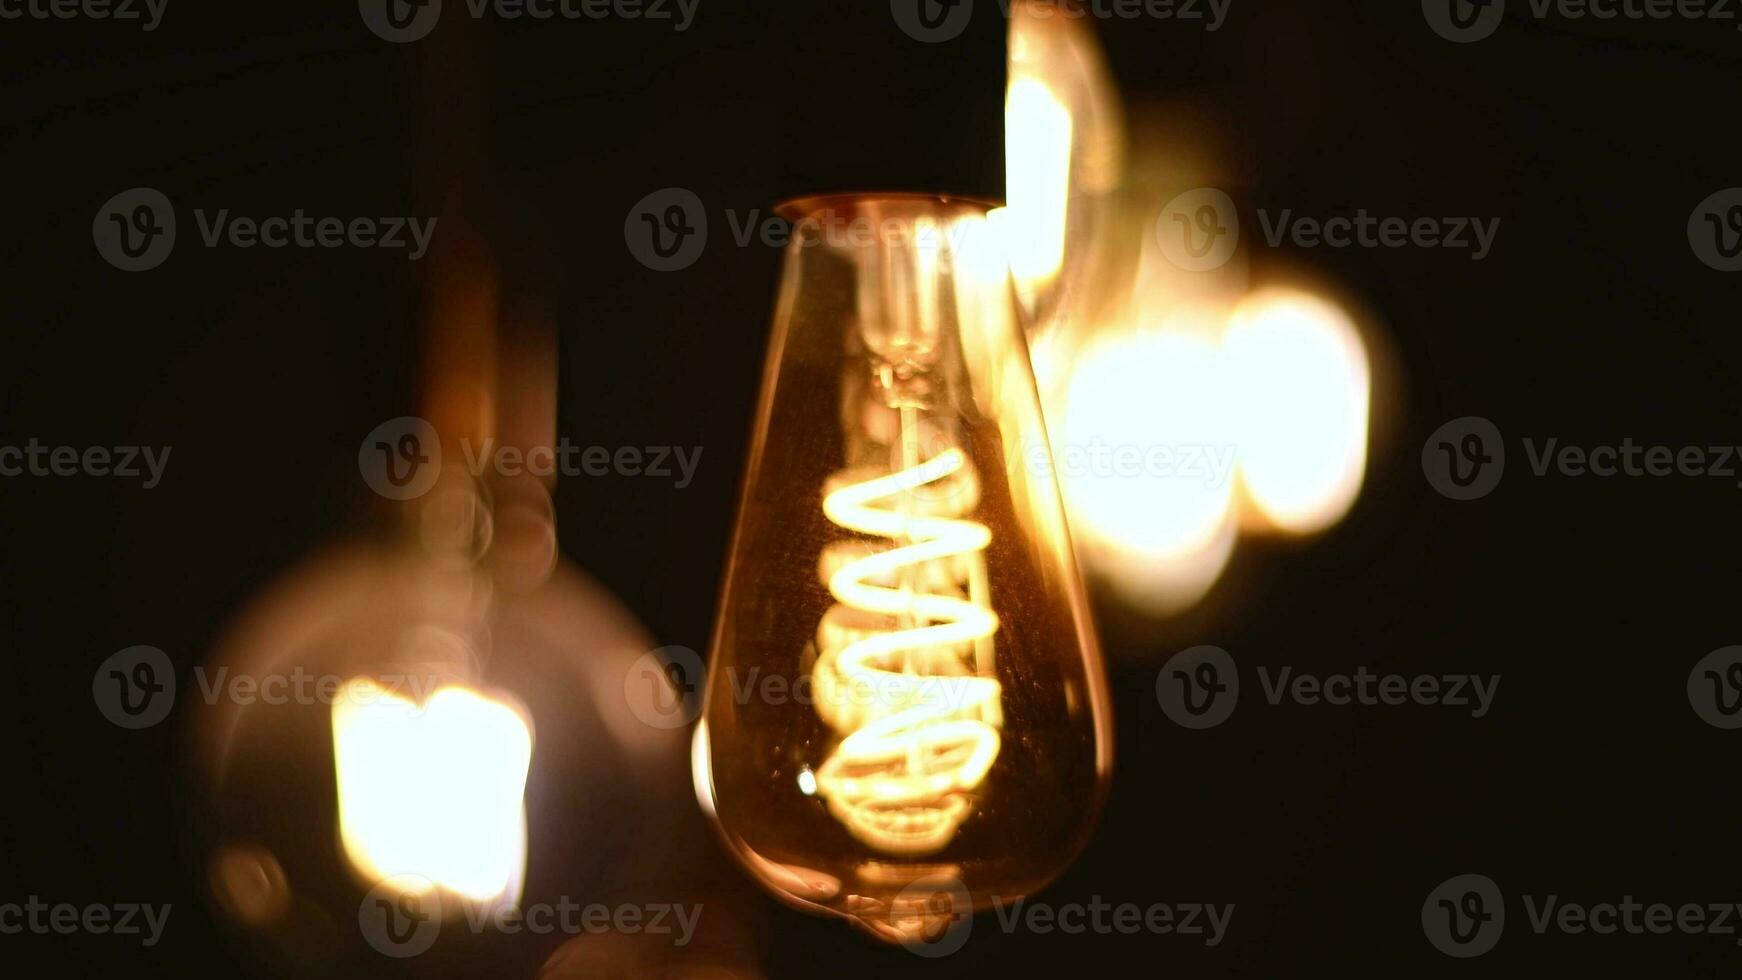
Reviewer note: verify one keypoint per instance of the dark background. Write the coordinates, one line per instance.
(1591, 321)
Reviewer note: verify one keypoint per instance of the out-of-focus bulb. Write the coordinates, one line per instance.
(1302, 404)
(415, 676)
(904, 684)
(1148, 458)
(435, 789)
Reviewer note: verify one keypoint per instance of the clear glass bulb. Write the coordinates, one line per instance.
(905, 688)
(434, 725)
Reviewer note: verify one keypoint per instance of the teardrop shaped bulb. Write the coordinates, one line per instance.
(905, 688)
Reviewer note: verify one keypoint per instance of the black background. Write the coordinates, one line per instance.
(1591, 321)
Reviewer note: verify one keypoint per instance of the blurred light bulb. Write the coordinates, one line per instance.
(402, 756)
(1302, 407)
(1147, 454)
(436, 789)
(904, 683)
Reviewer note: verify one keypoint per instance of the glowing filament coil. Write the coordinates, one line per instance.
(904, 669)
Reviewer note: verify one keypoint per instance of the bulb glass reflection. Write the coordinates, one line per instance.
(1064, 148)
(904, 685)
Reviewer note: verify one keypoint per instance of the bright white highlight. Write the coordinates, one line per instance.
(435, 791)
(1302, 408)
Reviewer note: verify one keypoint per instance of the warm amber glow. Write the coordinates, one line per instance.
(1271, 397)
(918, 704)
(1064, 143)
(434, 791)
(1302, 406)
(903, 676)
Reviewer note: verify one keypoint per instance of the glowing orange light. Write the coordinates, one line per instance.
(926, 736)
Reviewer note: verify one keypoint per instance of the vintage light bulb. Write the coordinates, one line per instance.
(904, 685)
(437, 721)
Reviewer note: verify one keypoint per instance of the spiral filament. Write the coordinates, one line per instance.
(905, 665)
